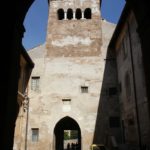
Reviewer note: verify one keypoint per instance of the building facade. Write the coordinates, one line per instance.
(26, 66)
(65, 89)
(134, 104)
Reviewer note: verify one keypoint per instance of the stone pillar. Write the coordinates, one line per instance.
(65, 15)
(74, 15)
(82, 15)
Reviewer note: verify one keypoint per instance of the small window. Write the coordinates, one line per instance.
(66, 105)
(120, 87)
(130, 122)
(35, 134)
(69, 14)
(35, 83)
(128, 86)
(87, 13)
(112, 91)
(60, 14)
(78, 13)
(84, 89)
(125, 45)
(114, 122)
(130, 119)
(66, 100)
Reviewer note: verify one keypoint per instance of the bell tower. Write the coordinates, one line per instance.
(73, 65)
(73, 68)
(74, 28)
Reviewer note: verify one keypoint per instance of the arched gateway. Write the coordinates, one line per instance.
(67, 134)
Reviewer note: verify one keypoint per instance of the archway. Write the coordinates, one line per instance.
(67, 135)
(87, 13)
(78, 13)
(60, 13)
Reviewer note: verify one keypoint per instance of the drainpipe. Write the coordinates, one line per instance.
(134, 89)
(26, 108)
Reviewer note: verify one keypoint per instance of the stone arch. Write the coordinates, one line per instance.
(87, 13)
(69, 14)
(14, 29)
(66, 124)
(78, 13)
(60, 13)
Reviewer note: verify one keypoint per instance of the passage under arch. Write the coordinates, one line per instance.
(65, 130)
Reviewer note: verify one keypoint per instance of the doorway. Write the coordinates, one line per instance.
(67, 135)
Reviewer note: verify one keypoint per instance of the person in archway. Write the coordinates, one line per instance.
(76, 146)
(72, 146)
(68, 146)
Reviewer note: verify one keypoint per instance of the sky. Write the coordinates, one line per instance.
(36, 20)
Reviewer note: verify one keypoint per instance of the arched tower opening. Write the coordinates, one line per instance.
(60, 14)
(87, 13)
(69, 14)
(67, 134)
(78, 13)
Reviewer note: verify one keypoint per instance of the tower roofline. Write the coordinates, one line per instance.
(100, 2)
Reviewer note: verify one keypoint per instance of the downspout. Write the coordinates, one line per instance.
(27, 117)
(134, 88)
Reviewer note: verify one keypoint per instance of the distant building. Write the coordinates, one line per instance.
(133, 97)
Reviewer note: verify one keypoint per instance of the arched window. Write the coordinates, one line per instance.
(87, 13)
(60, 14)
(69, 14)
(78, 13)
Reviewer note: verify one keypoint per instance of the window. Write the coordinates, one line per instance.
(87, 13)
(112, 91)
(35, 134)
(127, 86)
(60, 14)
(130, 122)
(125, 45)
(66, 105)
(84, 89)
(69, 14)
(114, 122)
(66, 100)
(35, 83)
(78, 13)
(130, 119)
(120, 87)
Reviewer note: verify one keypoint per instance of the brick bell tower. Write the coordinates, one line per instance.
(73, 69)
(74, 28)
